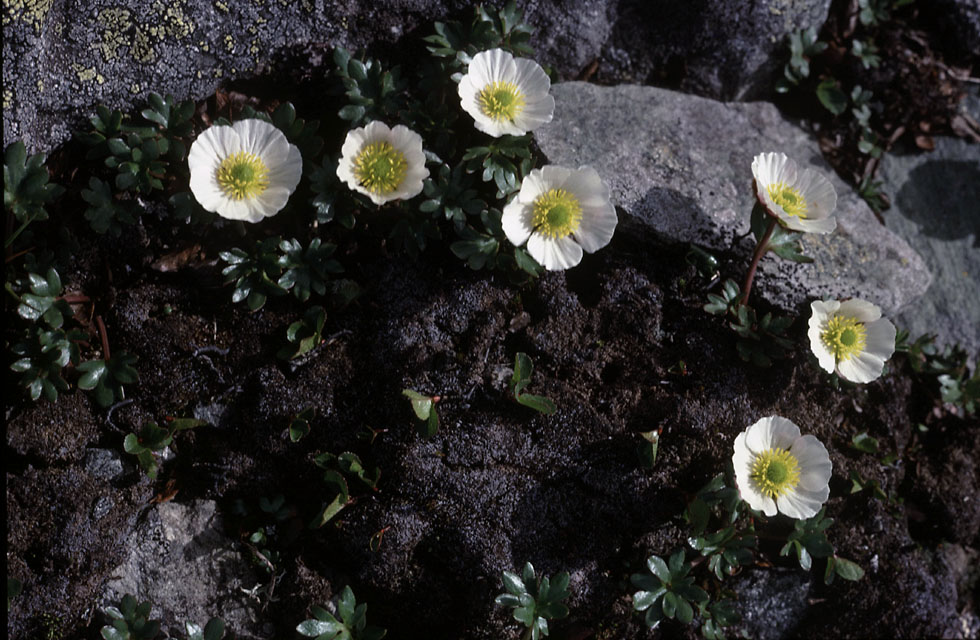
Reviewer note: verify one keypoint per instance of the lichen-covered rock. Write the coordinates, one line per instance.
(680, 167)
(179, 559)
(60, 59)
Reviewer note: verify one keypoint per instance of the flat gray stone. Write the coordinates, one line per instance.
(936, 209)
(680, 168)
(182, 562)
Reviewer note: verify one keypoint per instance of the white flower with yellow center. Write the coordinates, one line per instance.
(851, 338)
(244, 172)
(559, 212)
(383, 163)
(801, 200)
(506, 95)
(777, 469)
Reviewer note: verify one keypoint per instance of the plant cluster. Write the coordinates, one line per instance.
(153, 439)
(352, 624)
(131, 621)
(337, 469)
(535, 600)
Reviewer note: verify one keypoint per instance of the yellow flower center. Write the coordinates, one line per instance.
(557, 213)
(789, 198)
(845, 337)
(380, 168)
(775, 472)
(501, 101)
(243, 176)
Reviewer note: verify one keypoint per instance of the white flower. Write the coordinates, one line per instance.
(506, 95)
(384, 164)
(802, 201)
(244, 172)
(559, 212)
(851, 338)
(777, 468)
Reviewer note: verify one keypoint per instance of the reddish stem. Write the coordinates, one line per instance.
(104, 337)
(760, 250)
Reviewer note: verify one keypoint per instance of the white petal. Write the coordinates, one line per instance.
(272, 200)
(212, 147)
(530, 78)
(262, 139)
(880, 340)
(863, 367)
(819, 316)
(554, 255)
(800, 504)
(815, 465)
(287, 173)
(535, 114)
(862, 310)
(808, 225)
(759, 435)
(235, 210)
(819, 193)
(783, 433)
(207, 193)
(495, 65)
(517, 221)
(597, 227)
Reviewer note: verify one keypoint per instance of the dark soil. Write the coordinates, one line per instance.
(499, 485)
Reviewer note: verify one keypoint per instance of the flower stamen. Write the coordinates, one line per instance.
(380, 168)
(243, 176)
(775, 472)
(789, 198)
(556, 214)
(845, 337)
(501, 101)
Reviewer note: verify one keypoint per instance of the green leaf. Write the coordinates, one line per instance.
(538, 403)
(513, 583)
(421, 404)
(315, 628)
(864, 442)
(830, 95)
(644, 599)
(847, 569)
(658, 567)
(685, 613)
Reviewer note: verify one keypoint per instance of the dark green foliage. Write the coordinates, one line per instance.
(803, 45)
(42, 357)
(174, 120)
(106, 125)
(105, 213)
(831, 96)
(667, 590)
(140, 162)
(153, 439)
(760, 339)
(325, 184)
(352, 624)
(731, 546)
(846, 569)
(304, 335)
(44, 302)
(105, 378)
(489, 29)
(784, 242)
(130, 621)
(213, 630)
(254, 273)
(14, 589)
(523, 369)
(336, 468)
(27, 189)
(187, 209)
(425, 410)
(535, 601)
(299, 426)
(373, 93)
(949, 366)
(307, 270)
(809, 541)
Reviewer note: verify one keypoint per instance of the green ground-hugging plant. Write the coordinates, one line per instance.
(535, 601)
(131, 621)
(352, 624)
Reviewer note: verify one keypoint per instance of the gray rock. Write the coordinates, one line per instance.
(936, 209)
(717, 48)
(181, 561)
(772, 602)
(105, 464)
(61, 59)
(680, 167)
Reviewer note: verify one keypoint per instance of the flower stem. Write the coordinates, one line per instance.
(760, 250)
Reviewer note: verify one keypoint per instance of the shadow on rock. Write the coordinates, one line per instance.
(943, 197)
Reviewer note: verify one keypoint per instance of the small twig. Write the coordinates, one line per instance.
(18, 254)
(104, 337)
